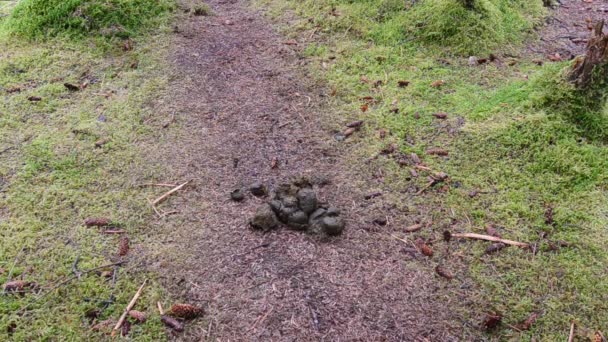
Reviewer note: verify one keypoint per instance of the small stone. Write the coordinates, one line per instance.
(307, 200)
(258, 190)
(298, 220)
(473, 61)
(276, 206)
(332, 225)
(381, 221)
(264, 219)
(237, 195)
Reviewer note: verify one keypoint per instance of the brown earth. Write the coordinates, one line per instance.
(569, 26)
(240, 100)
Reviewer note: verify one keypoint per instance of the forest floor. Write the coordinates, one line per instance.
(243, 93)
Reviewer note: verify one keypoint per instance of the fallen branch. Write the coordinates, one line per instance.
(490, 238)
(168, 193)
(128, 308)
(157, 184)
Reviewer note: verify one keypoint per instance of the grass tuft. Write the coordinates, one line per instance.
(34, 19)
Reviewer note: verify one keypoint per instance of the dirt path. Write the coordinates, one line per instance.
(568, 27)
(241, 100)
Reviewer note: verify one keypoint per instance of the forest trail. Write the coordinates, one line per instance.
(240, 100)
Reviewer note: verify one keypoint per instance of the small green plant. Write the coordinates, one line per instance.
(201, 10)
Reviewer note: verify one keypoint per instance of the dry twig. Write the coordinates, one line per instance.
(169, 193)
(129, 307)
(571, 336)
(491, 238)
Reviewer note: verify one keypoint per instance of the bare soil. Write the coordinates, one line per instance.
(569, 27)
(240, 100)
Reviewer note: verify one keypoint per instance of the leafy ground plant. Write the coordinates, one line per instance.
(517, 163)
(71, 116)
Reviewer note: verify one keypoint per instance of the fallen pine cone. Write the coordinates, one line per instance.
(139, 316)
(97, 222)
(403, 84)
(185, 311)
(349, 131)
(443, 272)
(123, 249)
(426, 250)
(441, 115)
(172, 323)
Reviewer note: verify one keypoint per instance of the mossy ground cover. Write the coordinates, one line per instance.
(53, 176)
(509, 134)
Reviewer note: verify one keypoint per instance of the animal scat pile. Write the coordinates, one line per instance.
(295, 205)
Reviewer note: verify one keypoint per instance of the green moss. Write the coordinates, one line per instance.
(79, 18)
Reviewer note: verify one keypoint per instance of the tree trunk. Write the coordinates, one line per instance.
(596, 58)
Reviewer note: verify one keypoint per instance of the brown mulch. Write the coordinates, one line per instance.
(240, 101)
(569, 26)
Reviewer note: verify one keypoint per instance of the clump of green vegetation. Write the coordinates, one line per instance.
(201, 10)
(583, 106)
(482, 28)
(79, 18)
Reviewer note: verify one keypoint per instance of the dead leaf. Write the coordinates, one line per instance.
(104, 326)
(97, 222)
(99, 143)
(492, 231)
(71, 87)
(403, 84)
(127, 45)
(491, 321)
(364, 107)
(555, 58)
(16, 286)
(415, 158)
(525, 325)
(364, 79)
(437, 152)
(382, 133)
(437, 83)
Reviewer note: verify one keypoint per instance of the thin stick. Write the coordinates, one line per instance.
(491, 238)
(113, 231)
(571, 337)
(160, 308)
(400, 239)
(168, 193)
(157, 184)
(128, 308)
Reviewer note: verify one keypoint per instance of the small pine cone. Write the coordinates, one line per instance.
(186, 311)
(124, 246)
(139, 316)
(97, 222)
